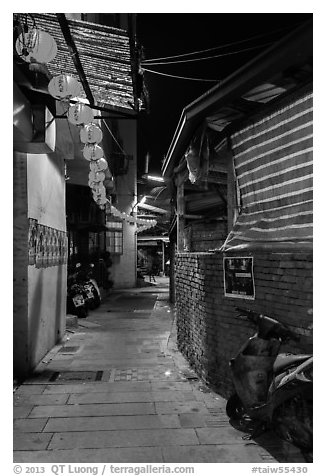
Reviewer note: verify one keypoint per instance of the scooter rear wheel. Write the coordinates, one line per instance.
(234, 408)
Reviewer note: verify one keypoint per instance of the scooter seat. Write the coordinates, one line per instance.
(287, 360)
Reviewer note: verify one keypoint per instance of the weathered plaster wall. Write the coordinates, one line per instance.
(209, 333)
(20, 264)
(123, 270)
(46, 286)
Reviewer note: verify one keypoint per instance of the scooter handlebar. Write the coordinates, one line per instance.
(247, 313)
(267, 326)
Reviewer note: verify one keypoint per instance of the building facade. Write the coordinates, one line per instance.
(51, 175)
(241, 168)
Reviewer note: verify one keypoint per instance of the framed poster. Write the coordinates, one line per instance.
(239, 277)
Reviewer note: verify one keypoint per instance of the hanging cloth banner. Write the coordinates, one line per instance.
(197, 156)
(273, 167)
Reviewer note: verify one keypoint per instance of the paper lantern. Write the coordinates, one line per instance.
(64, 86)
(36, 45)
(99, 188)
(96, 176)
(80, 113)
(92, 152)
(98, 165)
(91, 134)
(101, 201)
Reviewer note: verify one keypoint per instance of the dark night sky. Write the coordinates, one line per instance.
(167, 34)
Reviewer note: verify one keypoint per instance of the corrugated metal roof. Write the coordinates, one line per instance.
(104, 54)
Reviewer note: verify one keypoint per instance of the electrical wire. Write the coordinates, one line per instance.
(180, 77)
(221, 46)
(115, 140)
(210, 57)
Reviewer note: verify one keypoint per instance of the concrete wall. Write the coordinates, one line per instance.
(123, 270)
(46, 285)
(209, 334)
(20, 264)
(39, 290)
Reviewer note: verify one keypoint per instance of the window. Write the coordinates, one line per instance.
(114, 237)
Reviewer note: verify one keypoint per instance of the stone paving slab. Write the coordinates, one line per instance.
(193, 420)
(31, 441)
(98, 387)
(137, 422)
(180, 407)
(130, 397)
(22, 412)
(30, 425)
(84, 455)
(92, 410)
(123, 438)
(221, 435)
(213, 454)
(23, 400)
(30, 389)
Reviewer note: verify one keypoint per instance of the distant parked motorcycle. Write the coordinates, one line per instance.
(84, 277)
(273, 390)
(76, 302)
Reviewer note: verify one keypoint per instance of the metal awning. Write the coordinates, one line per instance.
(104, 54)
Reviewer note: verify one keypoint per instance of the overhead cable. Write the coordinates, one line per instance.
(115, 140)
(180, 77)
(208, 57)
(218, 47)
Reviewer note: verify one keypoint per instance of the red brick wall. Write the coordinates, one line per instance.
(209, 333)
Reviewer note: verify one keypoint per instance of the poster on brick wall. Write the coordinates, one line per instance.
(239, 277)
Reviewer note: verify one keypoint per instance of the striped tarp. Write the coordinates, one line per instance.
(273, 167)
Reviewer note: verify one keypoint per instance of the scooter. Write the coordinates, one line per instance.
(76, 303)
(274, 390)
(84, 277)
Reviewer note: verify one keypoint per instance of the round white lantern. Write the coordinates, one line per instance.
(99, 188)
(91, 134)
(92, 152)
(36, 45)
(80, 113)
(98, 165)
(96, 176)
(101, 201)
(64, 86)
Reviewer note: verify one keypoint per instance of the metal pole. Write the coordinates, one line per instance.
(163, 258)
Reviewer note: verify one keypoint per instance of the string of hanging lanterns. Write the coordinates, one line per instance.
(65, 88)
(38, 46)
(142, 223)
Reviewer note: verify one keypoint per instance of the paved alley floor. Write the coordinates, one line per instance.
(117, 390)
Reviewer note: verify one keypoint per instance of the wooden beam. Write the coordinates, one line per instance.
(180, 218)
(74, 55)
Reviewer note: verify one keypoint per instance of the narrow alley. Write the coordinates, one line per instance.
(117, 390)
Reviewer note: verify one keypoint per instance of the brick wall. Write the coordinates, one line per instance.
(206, 236)
(209, 333)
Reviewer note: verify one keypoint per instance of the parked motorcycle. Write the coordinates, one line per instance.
(273, 390)
(84, 277)
(76, 303)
